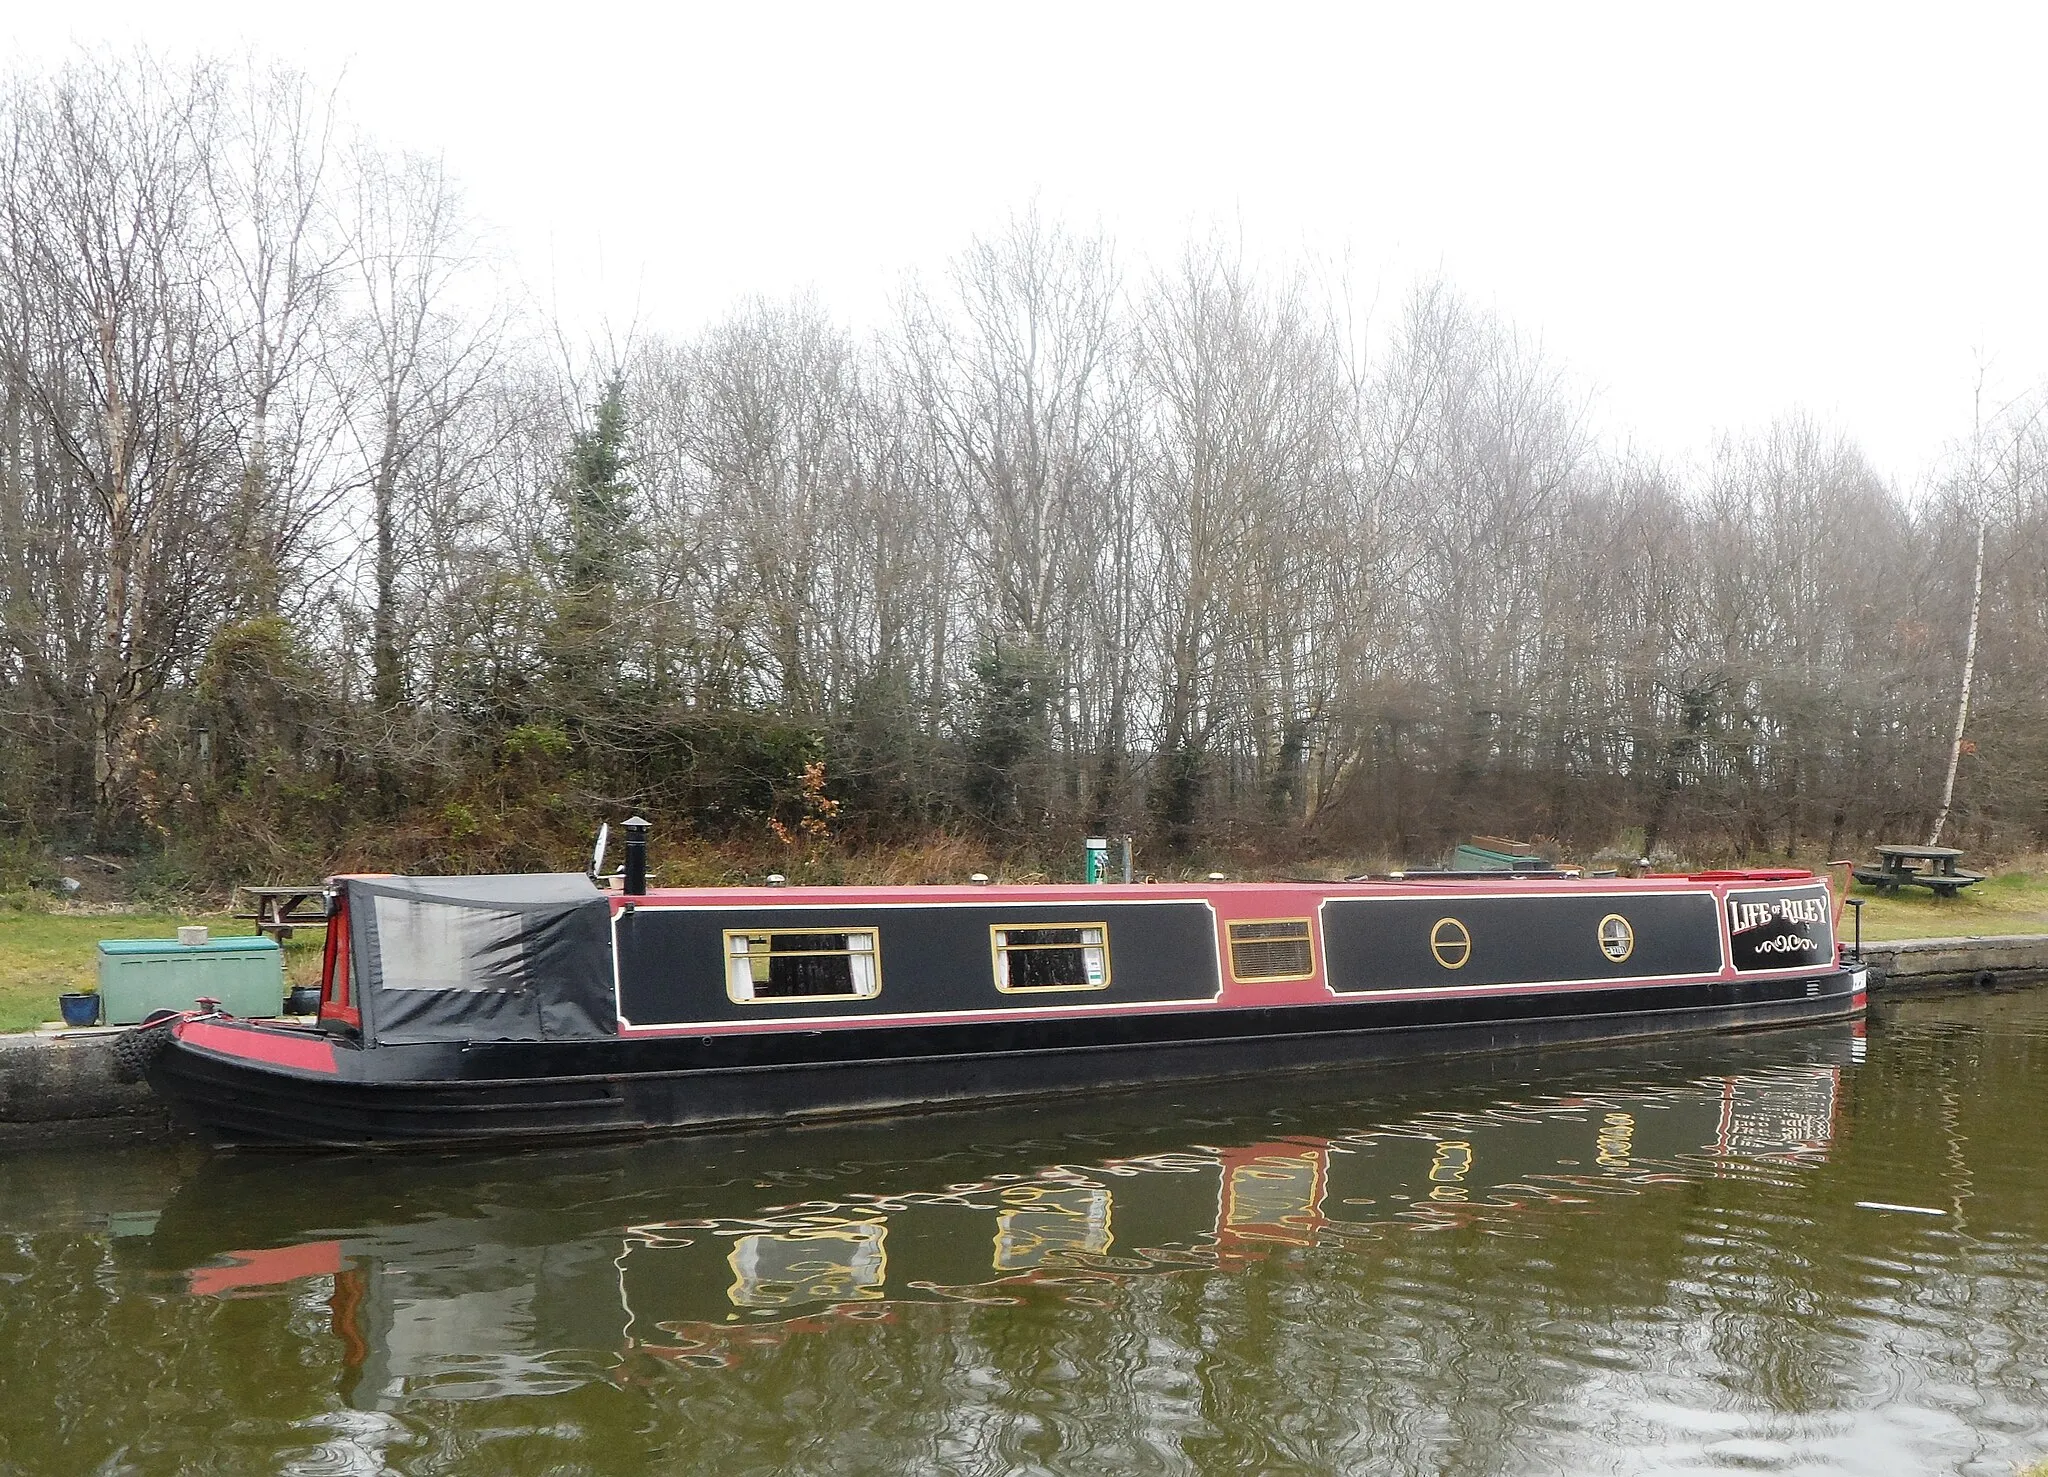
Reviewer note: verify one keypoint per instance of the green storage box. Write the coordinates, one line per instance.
(138, 976)
(1472, 857)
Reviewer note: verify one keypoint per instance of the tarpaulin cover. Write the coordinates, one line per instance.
(525, 958)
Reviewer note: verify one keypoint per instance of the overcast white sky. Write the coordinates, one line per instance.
(1710, 213)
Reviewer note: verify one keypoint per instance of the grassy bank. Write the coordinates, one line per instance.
(44, 954)
(2015, 901)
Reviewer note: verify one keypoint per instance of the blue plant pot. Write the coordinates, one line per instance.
(81, 1008)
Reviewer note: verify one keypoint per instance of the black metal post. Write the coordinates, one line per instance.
(636, 831)
(1857, 904)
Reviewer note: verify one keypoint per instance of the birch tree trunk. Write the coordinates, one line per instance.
(1955, 748)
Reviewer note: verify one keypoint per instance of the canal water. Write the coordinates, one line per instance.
(1816, 1252)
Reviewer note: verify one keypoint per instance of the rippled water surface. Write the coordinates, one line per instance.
(1641, 1260)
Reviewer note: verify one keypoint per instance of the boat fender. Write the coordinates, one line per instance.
(1986, 980)
(135, 1049)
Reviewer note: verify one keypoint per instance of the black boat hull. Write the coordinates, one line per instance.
(440, 1094)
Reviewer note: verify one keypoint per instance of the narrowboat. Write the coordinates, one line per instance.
(463, 1010)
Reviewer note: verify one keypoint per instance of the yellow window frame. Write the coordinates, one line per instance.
(1231, 941)
(997, 949)
(873, 956)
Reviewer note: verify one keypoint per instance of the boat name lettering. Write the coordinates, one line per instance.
(1742, 917)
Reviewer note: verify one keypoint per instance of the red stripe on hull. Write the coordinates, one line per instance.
(293, 1050)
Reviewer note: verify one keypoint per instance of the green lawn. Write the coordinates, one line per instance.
(2012, 902)
(44, 954)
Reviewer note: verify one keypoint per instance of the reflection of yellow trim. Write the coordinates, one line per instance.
(1628, 934)
(873, 956)
(1448, 1167)
(1308, 936)
(1616, 1141)
(1265, 1199)
(829, 1264)
(996, 952)
(1459, 943)
(1044, 1225)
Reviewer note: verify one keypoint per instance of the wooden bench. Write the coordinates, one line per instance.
(1931, 867)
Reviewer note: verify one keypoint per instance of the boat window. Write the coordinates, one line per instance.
(426, 944)
(1051, 956)
(1272, 949)
(785, 964)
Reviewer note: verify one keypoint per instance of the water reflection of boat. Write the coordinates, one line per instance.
(508, 1009)
(537, 1273)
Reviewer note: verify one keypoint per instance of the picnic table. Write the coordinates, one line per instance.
(1932, 867)
(279, 910)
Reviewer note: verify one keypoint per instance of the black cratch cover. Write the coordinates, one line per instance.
(482, 958)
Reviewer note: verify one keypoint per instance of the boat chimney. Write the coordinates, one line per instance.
(636, 831)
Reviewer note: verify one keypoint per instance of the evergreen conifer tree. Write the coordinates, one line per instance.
(593, 560)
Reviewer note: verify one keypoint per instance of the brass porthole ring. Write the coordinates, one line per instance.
(1451, 942)
(1617, 938)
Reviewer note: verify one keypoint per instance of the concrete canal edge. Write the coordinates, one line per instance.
(1906, 965)
(51, 1081)
(54, 1082)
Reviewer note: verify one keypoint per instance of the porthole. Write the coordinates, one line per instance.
(1451, 942)
(1617, 938)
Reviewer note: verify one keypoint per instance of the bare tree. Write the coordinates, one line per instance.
(414, 364)
(267, 156)
(1013, 379)
(113, 348)
(1244, 459)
